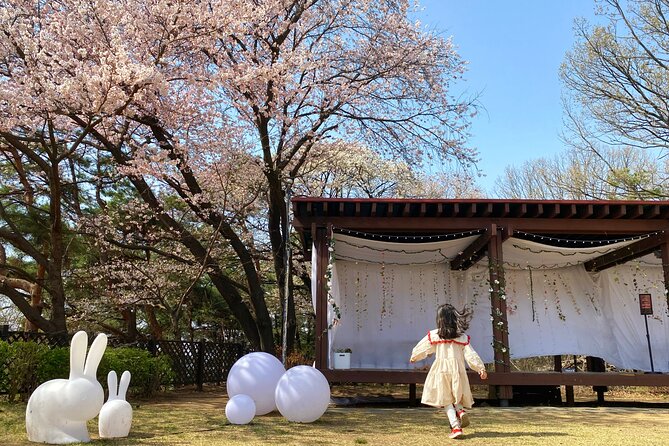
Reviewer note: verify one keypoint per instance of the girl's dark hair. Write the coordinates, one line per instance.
(452, 323)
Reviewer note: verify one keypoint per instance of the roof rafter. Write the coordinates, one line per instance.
(626, 253)
(472, 253)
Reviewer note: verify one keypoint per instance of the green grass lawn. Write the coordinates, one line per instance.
(190, 418)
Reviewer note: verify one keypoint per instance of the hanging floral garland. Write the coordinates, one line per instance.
(497, 317)
(328, 285)
(384, 292)
(534, 310)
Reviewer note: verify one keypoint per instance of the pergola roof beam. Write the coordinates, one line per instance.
(473, 253)
(626, 253)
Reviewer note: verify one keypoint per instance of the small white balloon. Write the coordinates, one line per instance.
(302, 394)
(256, 375)
(240, 409)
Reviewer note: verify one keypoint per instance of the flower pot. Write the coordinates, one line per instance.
(342, 360)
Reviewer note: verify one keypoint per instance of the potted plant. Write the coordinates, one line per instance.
(342, 358)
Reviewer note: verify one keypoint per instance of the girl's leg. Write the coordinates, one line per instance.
(453, 417)
(462, 415)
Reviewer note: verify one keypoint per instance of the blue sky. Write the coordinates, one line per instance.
(514, 49)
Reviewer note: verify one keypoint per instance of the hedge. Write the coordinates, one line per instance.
(25, 365)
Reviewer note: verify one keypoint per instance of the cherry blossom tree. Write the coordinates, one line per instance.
(218, 105)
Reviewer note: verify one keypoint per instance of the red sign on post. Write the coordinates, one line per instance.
(645, 304)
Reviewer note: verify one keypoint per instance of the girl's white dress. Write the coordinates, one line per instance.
(447, 381)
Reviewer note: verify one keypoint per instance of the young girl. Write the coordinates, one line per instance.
(447, 384)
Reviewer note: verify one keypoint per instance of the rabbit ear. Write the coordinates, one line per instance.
(112, 384)
(95, 355)
(78, 347)
(123, 387)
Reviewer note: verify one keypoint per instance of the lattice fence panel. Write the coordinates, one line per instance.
(184, 360)
(38, 338)
(217, 359)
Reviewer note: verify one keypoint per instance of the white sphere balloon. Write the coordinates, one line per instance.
(240, 409)
(302, 394)
(256, 375)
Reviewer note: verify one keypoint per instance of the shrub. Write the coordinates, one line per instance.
(4, 363)
(22, 375)
(148, 372)
(25, 365)
(55, 363)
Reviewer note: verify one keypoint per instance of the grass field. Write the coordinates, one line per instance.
(191, 418)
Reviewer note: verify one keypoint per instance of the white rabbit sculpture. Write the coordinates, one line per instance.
(116, 414)
(58, 410)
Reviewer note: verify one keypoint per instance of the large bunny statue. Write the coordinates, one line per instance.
(116, 414)
(58, 410)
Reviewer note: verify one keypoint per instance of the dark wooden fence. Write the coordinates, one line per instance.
(192, 362)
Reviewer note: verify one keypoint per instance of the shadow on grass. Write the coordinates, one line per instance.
(515, 434)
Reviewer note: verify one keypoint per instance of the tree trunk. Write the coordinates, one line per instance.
(276, 223)
(55, 267)
(36, 299)
(154, 327)
(130, 319)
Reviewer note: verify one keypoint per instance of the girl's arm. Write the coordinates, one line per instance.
(474, 360)
(422, 350)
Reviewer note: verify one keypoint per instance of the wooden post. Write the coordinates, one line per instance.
(664, 247)
(594, 364)
(569, 395)
(557, 367)
(412, 395)
(152, 347)
(199, 371)
(569, 390)
(320, 237)
(500, 327)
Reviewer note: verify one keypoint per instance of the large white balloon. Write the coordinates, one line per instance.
(256, 375)
(302, 394)
(240, 409)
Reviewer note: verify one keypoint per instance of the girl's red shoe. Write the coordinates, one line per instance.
(455, 433)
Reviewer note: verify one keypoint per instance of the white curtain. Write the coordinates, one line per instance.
(387, 294)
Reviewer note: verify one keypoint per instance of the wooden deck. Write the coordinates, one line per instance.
(505, 379)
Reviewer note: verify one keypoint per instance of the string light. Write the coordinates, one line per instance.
(412, 263)
(546, 238)
(408, 238)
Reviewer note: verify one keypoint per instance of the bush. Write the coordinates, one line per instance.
(4, 363)
(22, 367)
(55, 364)
(25, 365)
(149, 373)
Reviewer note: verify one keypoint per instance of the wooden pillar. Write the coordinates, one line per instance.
(569, 390)
(557, 367)
(199, 371)
(320, 237)
(594, 364)
(665, 265)
(500, 327)
(412, 395)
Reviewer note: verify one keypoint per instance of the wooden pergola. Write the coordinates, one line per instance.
(497, 220)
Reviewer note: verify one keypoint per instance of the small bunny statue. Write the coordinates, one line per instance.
(58, 410)
(116, 414)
